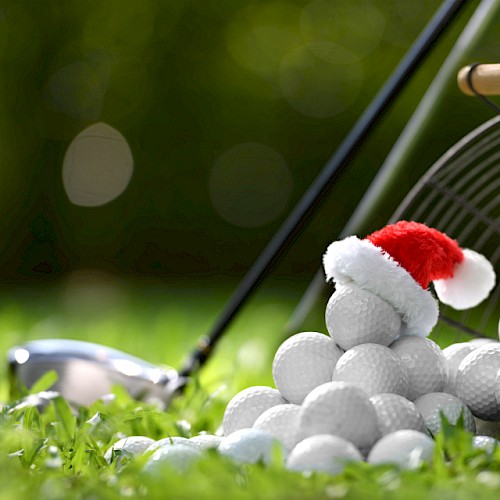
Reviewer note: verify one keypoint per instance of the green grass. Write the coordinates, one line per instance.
(56, 454)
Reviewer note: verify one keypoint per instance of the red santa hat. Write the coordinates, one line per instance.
(398, 262)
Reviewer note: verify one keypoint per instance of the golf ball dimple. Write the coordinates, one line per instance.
(476, 381)
(282, 422)
(394, 413)
(322, 453)
(373, 368)
(454, 355)
(244, 408)
(303, 362)
(249, 446)
(425, 362)
(405, 448)
(355, 316)
(340, 409)
(431, 406)
(133, 445)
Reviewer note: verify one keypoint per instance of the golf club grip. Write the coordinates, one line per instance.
(484, 79)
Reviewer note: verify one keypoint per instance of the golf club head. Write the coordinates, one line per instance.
(39, 400)
(88, 371)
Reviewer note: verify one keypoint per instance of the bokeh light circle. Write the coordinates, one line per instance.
(97, 167)
(358, 25)
(261, 34)
(76, 90)
(250, 185)
(315, 86)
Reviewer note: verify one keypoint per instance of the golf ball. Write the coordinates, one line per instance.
(355, 316)
(454, 355)
(406, 449)
(178, 457)
(497, 388)
(249, 446)
(303, 362)
(322, 453)
(242, 411)
(477, 379)
(480, 342)
(425, 362)
(341, 409)
(394, 413)
(373, 368)
(206, 441)
(431, 406)
(132, 445)
(486, 443)
(282, 422)
(170, 441)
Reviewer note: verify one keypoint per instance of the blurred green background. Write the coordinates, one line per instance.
(229, 107)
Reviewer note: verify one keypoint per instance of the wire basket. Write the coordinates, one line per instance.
(460, 195)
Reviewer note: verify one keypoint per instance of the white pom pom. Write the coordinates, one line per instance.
(472, 281)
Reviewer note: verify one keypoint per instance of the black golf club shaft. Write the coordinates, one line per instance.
(305, 208)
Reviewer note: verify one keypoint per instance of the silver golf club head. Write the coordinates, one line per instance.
(40, 400)
(88, 371)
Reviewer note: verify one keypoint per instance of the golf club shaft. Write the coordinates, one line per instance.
(303, 211)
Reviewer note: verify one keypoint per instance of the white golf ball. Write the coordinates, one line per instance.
(425, 362)
(322, 453)
(355, 316)
(394, 413)
(170, 441)
(343, 410)
(178, 457)
(282, 422)
(249, 446)
(454, 354)
(486, 443)
(405, 448)
(497, 388)
(303, 362)
(477, 379)
(132, 445)
(206, 441)
(373, 368)
(480, 342)
(432, 404)
(242, 411)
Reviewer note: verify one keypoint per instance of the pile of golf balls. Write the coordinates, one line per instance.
(379, 398)
(371, 402)
(364, 393)
(374, 403)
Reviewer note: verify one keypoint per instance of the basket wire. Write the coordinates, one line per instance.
(460, 195)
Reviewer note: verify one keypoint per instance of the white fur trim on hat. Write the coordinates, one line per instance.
(373, 269)
(473, 279)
